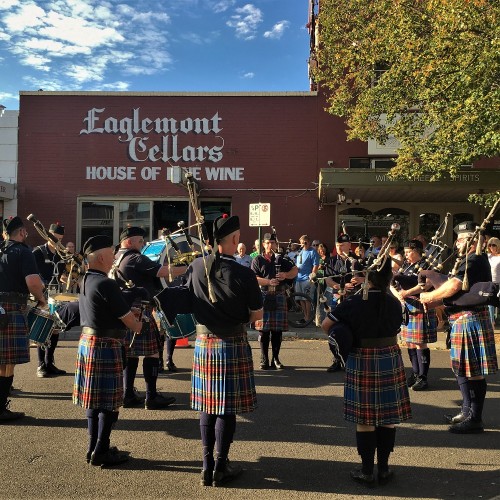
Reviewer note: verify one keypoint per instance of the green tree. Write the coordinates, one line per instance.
(424, 71)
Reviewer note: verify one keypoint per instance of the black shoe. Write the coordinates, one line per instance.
(171, 367)
(53, 370)
(360, 477)
(8, 416)
(467, 426)
(112, 457)
(158, 402)
(161, 366)
(229, 473)
(277, 364)
(206, 477)
(42, 372)
(412, 379)
(334, 367)
(450, 419)
(420, 385)
(264, 366)
(385, 476)
(133, 399)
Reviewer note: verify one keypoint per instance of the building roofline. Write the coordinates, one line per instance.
(167, 94)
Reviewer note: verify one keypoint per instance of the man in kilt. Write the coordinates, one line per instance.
(18, 278)
(375, 391)
(104, 316)
(50, 266)
(343, 276)
(141, 271)
(222, 383)
(472, 336)
(271, 269)
(422, 325)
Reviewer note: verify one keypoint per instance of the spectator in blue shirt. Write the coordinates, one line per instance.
(307, 263)
(241, 256)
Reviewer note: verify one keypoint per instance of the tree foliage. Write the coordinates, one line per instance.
(439, 95)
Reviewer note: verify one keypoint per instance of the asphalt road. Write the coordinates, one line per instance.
(296, 445)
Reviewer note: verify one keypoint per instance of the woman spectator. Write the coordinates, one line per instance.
(494, 259)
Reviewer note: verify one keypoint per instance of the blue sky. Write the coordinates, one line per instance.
(152, 45)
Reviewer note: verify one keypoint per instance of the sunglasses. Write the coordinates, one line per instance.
(492, 245)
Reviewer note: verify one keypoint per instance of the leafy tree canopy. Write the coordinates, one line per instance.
(439, 93)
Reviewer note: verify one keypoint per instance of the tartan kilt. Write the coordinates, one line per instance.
(375, 389)
(145, 344)
(14, 340)
(422, 327)
(274, 320)
(472, 338)
(99, 373)
(222, 381)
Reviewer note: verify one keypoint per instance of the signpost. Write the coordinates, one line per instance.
(259, 215)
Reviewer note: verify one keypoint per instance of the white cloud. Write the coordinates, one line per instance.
(277, 30)
(114, 86)
(27, 16)
(248, 75)
(8, 95)
(36, 61)
(221, 6)
(7, 4)
(246, 21)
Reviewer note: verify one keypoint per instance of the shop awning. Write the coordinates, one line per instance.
(6, 191)
(370, 185)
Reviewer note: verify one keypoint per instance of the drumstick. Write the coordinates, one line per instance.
(143, 307)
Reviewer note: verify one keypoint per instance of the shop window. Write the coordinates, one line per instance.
(359, 163)
(168, 213)
(97, 218)
(428, 224)
(134, 214)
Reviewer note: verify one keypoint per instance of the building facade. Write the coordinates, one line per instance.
(99, 161)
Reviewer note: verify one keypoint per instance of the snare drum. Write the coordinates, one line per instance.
(41, 324)
(184, 326)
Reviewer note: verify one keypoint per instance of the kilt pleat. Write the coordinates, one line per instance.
(99, 373)
(472, 337)
(422, 327)
(14, 339)
(222, 381)
(276, 320)
(145, 344)
(375, 389)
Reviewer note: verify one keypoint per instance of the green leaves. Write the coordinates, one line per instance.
(439, 95)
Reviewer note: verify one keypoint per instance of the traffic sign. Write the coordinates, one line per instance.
(260, 214)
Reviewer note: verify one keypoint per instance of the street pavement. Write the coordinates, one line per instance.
(296, 445)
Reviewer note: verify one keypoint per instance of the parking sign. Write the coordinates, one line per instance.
(260, 214)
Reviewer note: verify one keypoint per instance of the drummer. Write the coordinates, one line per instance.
(18, 277)
(141, 271)
(50, 267)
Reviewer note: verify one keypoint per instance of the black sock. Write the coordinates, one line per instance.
(412, 353)
(93, 428)
(129, 374)
(386, 436)
(463, 385)
(424, 359)
(5, 383)
(477, 397)
(207, 430)
(264, 346)
(276, 339)
(106, 420)
(224, 432)
(150, 369)
(49, 351)
(366, 444)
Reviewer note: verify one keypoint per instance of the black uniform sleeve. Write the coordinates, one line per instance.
(28, 263)
(254, 295)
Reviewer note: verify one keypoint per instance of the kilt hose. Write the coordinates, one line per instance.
(472, 338)
(422, 327)
(145, 344)
(222, 381)
(14, 339)
(375, 389)
(99, 373)
(276, 320)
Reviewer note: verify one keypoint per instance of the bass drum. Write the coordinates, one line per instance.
(161, 250)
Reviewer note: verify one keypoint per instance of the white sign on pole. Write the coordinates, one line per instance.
(260, 214)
